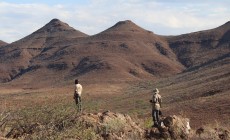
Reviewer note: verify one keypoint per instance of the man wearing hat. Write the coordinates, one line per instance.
(156, 105)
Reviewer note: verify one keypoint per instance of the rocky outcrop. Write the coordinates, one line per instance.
(217, 133)
(98, 126)
(113, 126)
(118, 126)
(171, 127)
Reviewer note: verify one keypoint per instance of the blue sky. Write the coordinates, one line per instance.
(164, 17)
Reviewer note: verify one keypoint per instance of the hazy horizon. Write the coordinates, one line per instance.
(21, 18)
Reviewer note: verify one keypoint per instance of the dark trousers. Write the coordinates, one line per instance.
(155, 115)
(78, 102)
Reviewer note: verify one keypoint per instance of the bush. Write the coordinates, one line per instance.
(114, 125)
(48, 122)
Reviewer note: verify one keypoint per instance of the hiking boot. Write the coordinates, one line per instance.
(155, 125)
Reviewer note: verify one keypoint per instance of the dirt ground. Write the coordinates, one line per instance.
(129, 98)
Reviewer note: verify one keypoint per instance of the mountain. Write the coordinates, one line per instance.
(130, 52)
(202, 88)
(16, 58)
(202, 48)
(120, 53)
(123, 52)
(126, 30)
(2, 43)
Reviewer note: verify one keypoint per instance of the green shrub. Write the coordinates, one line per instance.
(148, 122)
(114, 125)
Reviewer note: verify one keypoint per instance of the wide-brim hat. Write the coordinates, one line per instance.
(156, 91)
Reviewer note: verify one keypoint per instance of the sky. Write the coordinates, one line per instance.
(19, 18)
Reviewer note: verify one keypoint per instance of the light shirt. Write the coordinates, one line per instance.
(156, 105)
(78, 89)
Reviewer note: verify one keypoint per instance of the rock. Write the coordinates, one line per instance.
(171, 127)
(206, 132)
(154, 132)
(178, 127)
(113, 126)
(165, 135)
(200, 131)
(225, 135)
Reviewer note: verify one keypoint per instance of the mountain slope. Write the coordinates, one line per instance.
(203, 47)
(202, 90)
(124, 52)
(120, 53)
(2, 43)
(202, 94)
(16, 58)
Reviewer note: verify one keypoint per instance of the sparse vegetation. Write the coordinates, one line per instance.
(115, 125)
(49, 122)
(148, 122)
(58, 119)
(214, 130)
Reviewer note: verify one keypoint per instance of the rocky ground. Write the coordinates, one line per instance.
(108, 126)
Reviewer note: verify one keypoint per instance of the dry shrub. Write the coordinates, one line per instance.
(59, 122)
(213, 131)
(115, 125)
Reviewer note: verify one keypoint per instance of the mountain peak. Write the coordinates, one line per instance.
(56, 26)
(2, 43)
(55, 20)
(125, 26)
(124, 22)
(225, 26)
(227, 23)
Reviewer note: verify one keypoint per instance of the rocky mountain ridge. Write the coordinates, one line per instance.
(2, 43)
(123, 52)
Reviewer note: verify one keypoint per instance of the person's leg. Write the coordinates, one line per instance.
(76, 101)
(154, 114)
(157, 115)
(80, 104)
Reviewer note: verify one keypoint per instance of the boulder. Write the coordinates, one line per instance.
(113, 126)
(171, 127)
(207, 132)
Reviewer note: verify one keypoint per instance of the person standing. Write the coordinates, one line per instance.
(77, 95)
(156, 105)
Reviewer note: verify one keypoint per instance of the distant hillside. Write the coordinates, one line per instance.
(202, 48)
(203, 88)
(17, 58)
(2, 43)
(126, 51)
(123, 52)
(120, 53)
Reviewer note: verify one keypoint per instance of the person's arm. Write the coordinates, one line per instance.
(160, 101)
(151, 101)
(74, 91)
